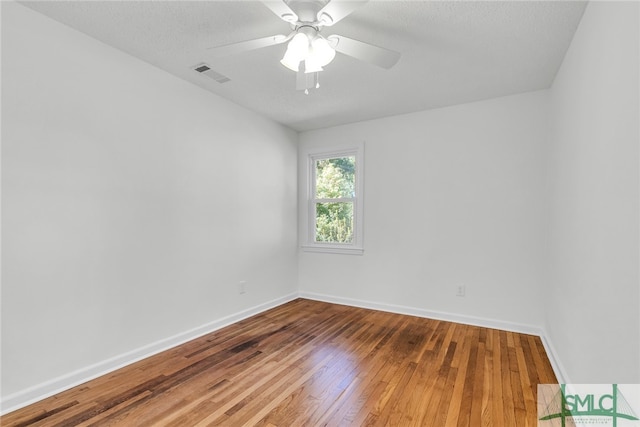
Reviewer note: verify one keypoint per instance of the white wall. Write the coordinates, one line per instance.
(452, 196)
(593, 301)
(133, 203)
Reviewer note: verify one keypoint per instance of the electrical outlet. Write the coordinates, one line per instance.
(460, 291)
(242, 287)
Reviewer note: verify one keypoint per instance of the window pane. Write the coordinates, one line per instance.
(334, 222)
(335, 178)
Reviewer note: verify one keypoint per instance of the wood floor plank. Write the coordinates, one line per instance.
(497, 405)
(313, 363)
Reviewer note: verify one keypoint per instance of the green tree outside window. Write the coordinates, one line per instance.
(335, 194)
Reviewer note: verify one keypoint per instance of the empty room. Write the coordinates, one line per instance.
(320, 213)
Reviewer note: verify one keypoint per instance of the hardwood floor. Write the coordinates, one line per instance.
(308, 363)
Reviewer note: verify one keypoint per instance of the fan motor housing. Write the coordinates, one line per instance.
(307, 10)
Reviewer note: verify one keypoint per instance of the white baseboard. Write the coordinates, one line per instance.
(56, 385)
(430, 314)
(452, 317)
(558, 368)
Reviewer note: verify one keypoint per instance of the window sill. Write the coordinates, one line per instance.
(348, 250)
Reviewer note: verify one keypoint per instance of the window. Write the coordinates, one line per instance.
(334, 214)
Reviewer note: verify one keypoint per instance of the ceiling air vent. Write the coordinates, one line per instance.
(204, 69)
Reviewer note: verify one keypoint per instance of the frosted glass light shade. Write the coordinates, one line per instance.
(290, 61)
(297, 50)
(299, 45)
(311, 65)
(322, 52)
(315, 54)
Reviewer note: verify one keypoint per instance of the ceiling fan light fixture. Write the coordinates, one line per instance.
(299, 46)
(308, 46)
(290, 61)
(321, 51)
(311, 65)
(297, 51)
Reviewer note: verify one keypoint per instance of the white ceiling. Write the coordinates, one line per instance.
(452, 52)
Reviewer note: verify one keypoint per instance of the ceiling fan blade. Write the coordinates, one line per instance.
(375, 55)
(281, 9)
(248, 45)
(335, 10)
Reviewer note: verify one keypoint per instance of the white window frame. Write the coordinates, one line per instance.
(356, 247)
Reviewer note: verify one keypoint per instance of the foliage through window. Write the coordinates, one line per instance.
(334, 199)
(334, 216)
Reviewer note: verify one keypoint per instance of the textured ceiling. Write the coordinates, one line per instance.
(452, 52)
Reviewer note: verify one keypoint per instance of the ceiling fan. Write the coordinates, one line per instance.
(308, 51)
